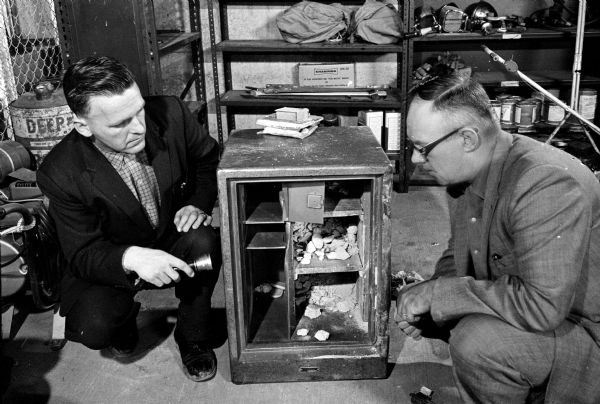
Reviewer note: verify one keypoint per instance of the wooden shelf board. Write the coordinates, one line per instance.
(268, 323)
(267, 240)
(266, 212)
(168, 42)
(241, 98)
(281, 46)
(316, 266)
(530, 34)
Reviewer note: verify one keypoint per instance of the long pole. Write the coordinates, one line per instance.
(578, 54)
(512, 67)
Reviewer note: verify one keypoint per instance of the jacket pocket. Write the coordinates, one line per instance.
(502, 263)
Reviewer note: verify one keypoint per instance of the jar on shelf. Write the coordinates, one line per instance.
(554, 113)
(587, 103)
(507, 115)
(496, 108)
(525, 114)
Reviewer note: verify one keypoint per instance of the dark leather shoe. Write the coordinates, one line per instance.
(198, 359)
(124, 344)
(121, 353)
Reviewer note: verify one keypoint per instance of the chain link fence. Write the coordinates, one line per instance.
(29, 52)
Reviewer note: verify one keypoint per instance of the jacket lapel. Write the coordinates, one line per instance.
(490, 202)
(160, 158)
(461, 249)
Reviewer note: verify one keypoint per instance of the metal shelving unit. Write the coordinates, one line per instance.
(544, 54)
(127, 31)
(236, 101)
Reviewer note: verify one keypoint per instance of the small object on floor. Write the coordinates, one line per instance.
(403, 278)
(278, 289)
(198, 359)
(322, 335)
(264, 288)
(302, 332)
(423, 396)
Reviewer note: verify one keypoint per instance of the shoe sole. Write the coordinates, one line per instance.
(198, 378)
(192, 377)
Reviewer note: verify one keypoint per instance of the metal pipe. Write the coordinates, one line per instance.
(578, 56)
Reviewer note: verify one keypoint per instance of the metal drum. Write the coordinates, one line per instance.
(13, 156)
(40, 119)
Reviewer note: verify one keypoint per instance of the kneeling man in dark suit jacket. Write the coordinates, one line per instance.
(131, 192)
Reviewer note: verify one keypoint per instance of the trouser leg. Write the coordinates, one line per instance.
(103, 316)
(195, 293)
(494, 362)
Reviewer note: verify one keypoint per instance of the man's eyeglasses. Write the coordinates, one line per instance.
(425, 150)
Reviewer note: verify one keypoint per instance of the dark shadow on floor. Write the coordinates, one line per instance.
(154, 327)
(26, 369)
(218, 327)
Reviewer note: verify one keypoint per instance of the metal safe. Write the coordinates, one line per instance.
(305, 227)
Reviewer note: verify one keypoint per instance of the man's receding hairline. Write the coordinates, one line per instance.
(105, 93)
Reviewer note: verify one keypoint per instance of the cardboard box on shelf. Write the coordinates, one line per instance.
(326, 75)
(372, 119)
(392, 130)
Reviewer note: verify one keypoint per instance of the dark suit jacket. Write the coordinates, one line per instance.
(97, 217)
(541, 237)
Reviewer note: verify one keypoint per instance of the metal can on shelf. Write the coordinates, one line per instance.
(587, 102)
(538, 99)
(554, 113)
(507, 115)
(525, 113)
(496, 108)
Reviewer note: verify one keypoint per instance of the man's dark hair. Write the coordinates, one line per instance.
(94, 75)
(454, 93)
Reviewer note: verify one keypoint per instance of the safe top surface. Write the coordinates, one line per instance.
(351, 150)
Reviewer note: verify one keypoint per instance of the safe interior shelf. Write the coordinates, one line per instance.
(317, 266)
(267, 240)
(266, 212)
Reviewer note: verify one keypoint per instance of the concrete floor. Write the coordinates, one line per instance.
(76, 374)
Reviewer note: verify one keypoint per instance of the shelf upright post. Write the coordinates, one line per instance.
(215, 71)
(197, 53)
(407, 62)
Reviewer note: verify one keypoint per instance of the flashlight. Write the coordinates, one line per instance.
(202, 263)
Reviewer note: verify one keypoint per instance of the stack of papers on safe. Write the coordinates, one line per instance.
(281, 127)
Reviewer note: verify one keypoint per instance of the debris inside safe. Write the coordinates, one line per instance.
(336, 238)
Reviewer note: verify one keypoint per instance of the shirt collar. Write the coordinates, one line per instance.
(119, 157)
(479, 184)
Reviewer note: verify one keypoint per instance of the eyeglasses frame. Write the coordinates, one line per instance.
(425, 150)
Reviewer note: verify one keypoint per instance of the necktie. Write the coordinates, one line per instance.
(146, 190)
